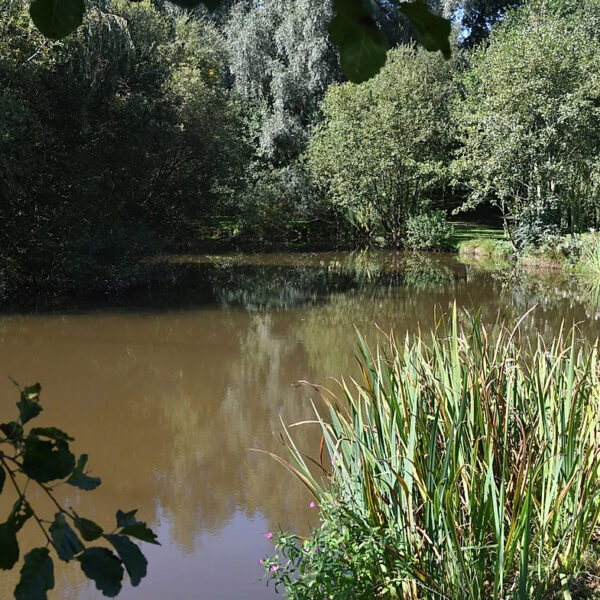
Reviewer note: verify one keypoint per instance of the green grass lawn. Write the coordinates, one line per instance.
(465, 231)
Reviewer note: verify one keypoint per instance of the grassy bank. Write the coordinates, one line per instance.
(463, 468)
(576, 253)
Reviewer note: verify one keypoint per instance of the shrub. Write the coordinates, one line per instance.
(429, 231)
(461, 469)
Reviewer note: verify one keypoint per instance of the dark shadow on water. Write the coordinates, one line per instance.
(250, 281)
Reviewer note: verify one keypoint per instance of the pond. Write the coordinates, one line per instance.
(170, 387)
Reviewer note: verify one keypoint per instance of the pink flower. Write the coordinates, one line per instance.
(318, 549)
(268, 535)
(274, 569)
(313, 504)
(261, 561)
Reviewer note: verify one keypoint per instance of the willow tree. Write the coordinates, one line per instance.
(383, 148)
(530, 123)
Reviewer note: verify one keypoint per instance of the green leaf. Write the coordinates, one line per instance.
(57, 18)
(52, 433)
(362, 46)
(47, 460)
(19, 514)
(210, 4)
(80, 479)
(88, 529)
(13, 431)
(128, 518)
(133, 559)
(134, 528)
(104, 568)
(65, 540)
(28, 406)
(37, 576)
(9, 547)
(142, 532)
(433, 32)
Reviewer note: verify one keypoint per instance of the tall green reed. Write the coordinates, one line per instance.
(479, 455)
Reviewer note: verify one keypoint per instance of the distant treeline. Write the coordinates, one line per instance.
(154, 129)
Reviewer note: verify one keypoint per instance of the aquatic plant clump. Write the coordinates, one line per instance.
(461, 467)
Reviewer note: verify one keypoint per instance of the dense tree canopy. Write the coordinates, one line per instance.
(384, 145)
(530, 121)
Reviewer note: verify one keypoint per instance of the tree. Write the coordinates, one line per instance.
(353, 28)
(383, 147)
(530, 122)
(282, 63)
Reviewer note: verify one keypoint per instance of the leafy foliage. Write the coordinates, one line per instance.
(43, 456)
(464, 465)
(383, 148)
(429, 231)
(529, 123)
(353, 29)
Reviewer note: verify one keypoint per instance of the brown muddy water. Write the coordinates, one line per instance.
(167, 389)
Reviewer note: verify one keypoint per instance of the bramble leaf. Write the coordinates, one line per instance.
(101, 565)
(52, 433)
(13, 431)
(79, 479)
(128, 518)
(57, 18)
(362, 46)
(88, 529)
(133, 559)
(433, 31)
(65, 540)
(47, 460)
(37, 576)
(9, 547)
(28, 406)
(142, 532)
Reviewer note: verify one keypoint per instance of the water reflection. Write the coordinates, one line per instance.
(168, 401)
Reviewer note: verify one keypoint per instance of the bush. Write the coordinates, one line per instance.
(462, 468)
(429, 231)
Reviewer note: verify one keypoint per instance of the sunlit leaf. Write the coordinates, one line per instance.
(37, 576)
(133, 559)
(104, 568)
(57, 18)
(65, 540)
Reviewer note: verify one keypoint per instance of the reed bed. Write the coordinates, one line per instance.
(469, 462)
